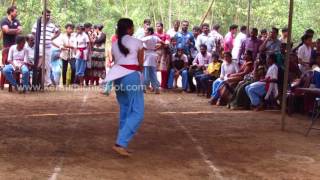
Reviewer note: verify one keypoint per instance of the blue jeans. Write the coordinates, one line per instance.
(256, 91)
(56, 67)
(184, 75)
(8, 71)
(80, 67)
(150, 76)
(131, 102)
(215, 88)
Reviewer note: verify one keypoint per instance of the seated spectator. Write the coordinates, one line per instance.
(304, 53)
(240, 99)
(18, 62)
(227, 88)
(265, 87)
(315, 52)
(179, 67)
(200, 63)
(211, 73)
(294, 71)
(228, 67)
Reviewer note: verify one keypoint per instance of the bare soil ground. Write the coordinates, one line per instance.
(68, 135)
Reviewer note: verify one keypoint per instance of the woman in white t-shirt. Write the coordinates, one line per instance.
(150, 42)
(128, 55)
(228, 68)
(82, 46)
(266, 87)
(304, 53)
(18, 61)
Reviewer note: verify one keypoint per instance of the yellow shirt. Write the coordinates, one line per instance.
(214, 69)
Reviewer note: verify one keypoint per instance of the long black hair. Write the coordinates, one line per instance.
(122, 29)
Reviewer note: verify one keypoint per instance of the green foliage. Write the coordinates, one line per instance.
(265, 13)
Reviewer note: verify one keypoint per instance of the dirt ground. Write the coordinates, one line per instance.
(68, 136)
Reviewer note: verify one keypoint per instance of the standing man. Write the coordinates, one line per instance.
(163, 58)
(10, 27)
(52, 32)
(284, 35)
(185, 39)
(252, 44)
(218, 38)
(241, 37)
(229, 38)
(172, 32)
(272, 44)
(207, 39)
(141, 32)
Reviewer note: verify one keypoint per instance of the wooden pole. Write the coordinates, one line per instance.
(285, 84)
(13, 2)
(206, 14)
(44, 20)
(249, 16)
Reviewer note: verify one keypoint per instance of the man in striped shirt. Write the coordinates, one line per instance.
(52, 32)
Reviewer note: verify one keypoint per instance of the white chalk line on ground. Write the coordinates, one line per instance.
(216, 173)
(106, 113)
(58, 169)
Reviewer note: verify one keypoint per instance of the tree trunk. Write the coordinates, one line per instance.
(170, 14)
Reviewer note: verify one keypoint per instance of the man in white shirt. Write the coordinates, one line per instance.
(52, 32)
(207, 39)
(173, 31)
(18, 61)
(304, 53)
(141, 31)
(199, 64)
(240, 38)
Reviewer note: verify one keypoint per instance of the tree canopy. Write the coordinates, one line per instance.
(265, 13)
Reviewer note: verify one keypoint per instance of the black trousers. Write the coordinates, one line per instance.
(65, 68)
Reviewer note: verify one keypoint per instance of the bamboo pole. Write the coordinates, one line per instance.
(13, 2)
(207, 12)
(285, 84)
(44, 44)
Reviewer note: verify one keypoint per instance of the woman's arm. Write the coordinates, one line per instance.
(141, 57)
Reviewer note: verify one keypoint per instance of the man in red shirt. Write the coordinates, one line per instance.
(162, 54)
